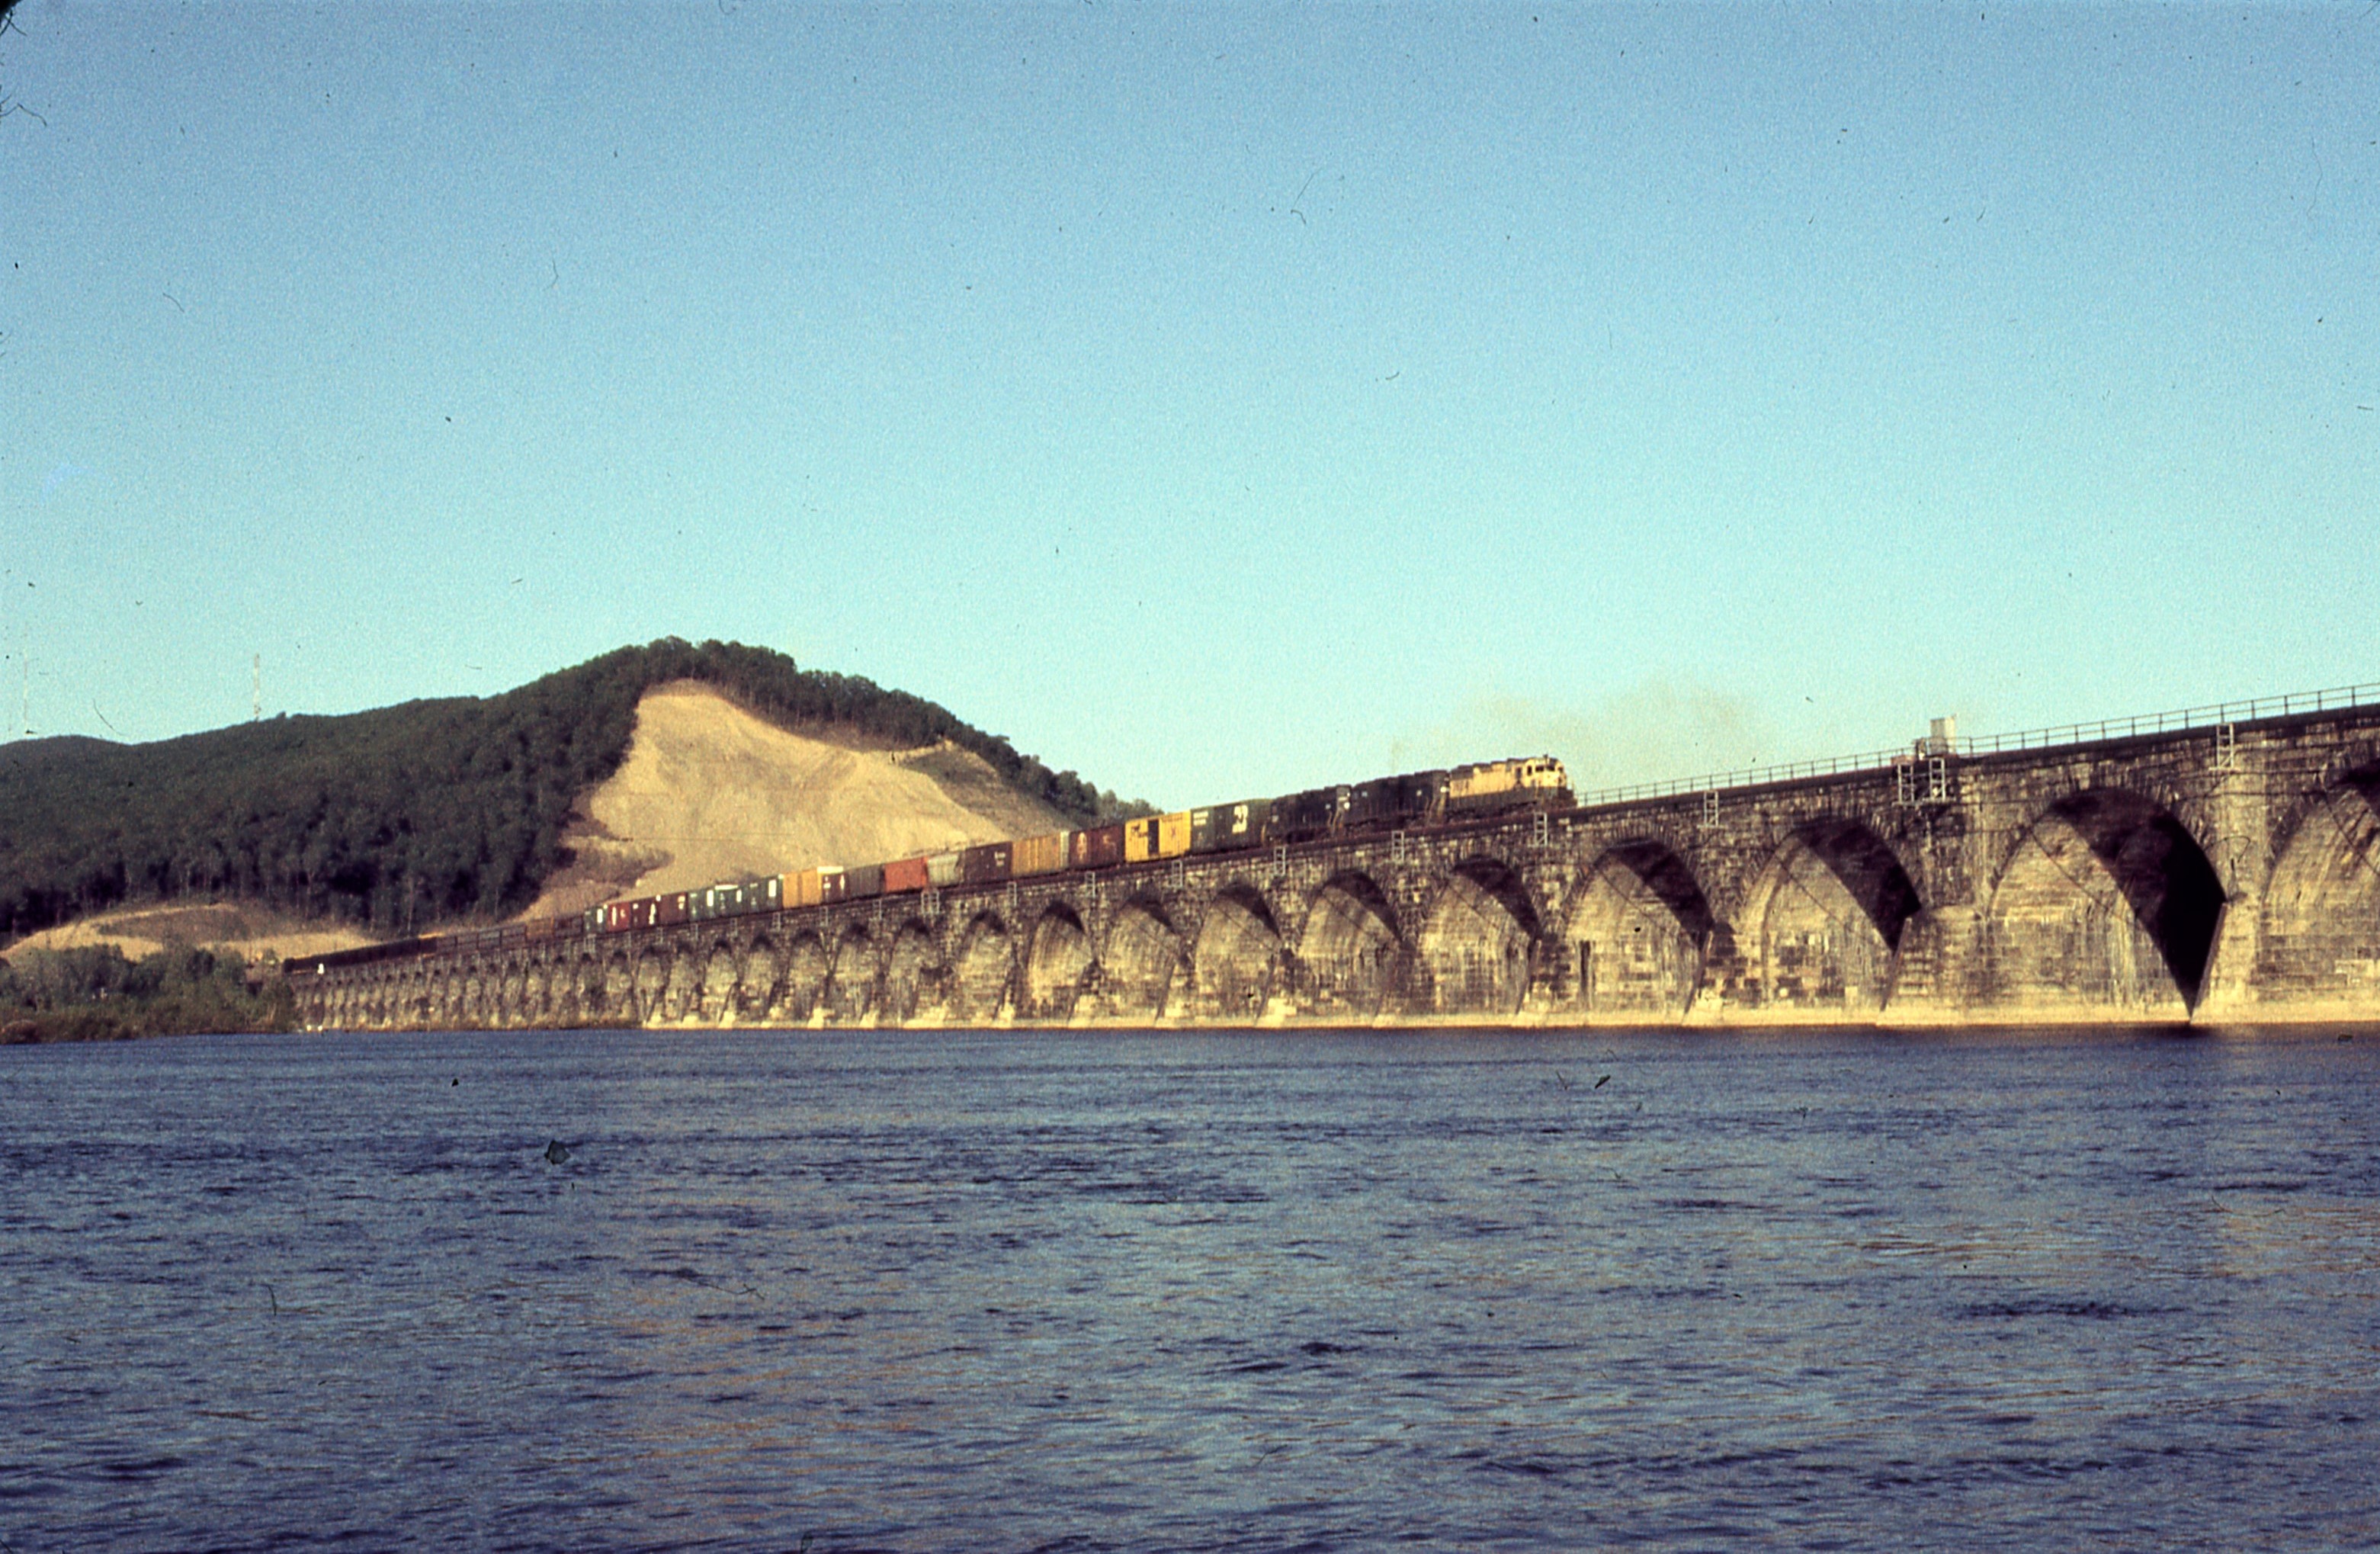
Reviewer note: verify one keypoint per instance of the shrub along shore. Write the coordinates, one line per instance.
(96, 994)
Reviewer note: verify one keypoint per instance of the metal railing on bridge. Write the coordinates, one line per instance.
(2211, 716)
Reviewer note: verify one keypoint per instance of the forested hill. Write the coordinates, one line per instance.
(408, 816)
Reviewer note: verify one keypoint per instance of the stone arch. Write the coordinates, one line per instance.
(620, 1000)
(913, 973)
(1478, 941)
(573, 985)
(2107, 901)
(1056, 958)
(1139, 960)
(1825, 917)
(1351, 952)
(2320, 927)
(804, 987)
(1636, 934)
(853, 983)
(653, 970)
(556, 992)
(759, 980)
(713, 997)
(1238, 949)
(980, 975)
(533, 1009)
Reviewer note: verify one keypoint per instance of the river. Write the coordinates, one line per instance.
(1192, 1290)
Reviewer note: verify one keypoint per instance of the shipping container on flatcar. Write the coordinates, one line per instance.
(1097, 847)
(863, 881)
(1302, 817)
(943, 869)
(985, 864)
(1228, 827)
(1038, 854)
(904, 875)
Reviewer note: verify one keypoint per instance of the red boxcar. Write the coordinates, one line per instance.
(670, 909)
(1100, 847)
(908, 874)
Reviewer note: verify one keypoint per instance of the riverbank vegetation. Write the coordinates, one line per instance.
(97, 994)
(405, 817)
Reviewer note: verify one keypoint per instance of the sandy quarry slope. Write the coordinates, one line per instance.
(709, 793)
(254, 933)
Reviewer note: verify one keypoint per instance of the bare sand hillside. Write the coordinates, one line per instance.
(253, 932)
(709, 793)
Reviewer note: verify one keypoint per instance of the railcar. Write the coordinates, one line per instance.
(1038, 854)
(1097, 847)
(1229, 827)
(988, 865)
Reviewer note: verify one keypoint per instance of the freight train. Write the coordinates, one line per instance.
(1411, 801)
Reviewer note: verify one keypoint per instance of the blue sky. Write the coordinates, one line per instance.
(1216, 400)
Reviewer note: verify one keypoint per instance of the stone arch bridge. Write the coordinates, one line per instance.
(2215, 870)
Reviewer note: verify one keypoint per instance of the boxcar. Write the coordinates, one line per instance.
(672, 908)
(1100, 847)
(1173, 834)
(834, 883)
(1140, 839)
(863, 881)
(904, 875)
(985, 864)
(1038, 854)
(1227, 827)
